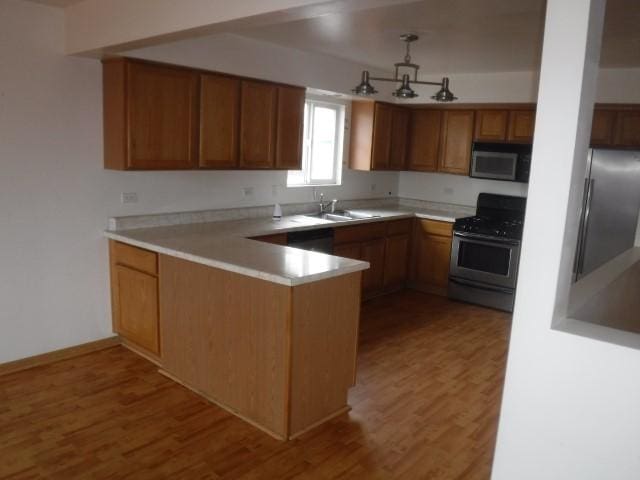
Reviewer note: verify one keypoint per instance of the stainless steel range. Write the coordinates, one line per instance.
(486, 251)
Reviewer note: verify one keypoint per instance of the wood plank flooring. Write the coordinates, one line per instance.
(425, 407)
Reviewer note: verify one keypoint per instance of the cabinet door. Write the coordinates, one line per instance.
(162, 117)
(258, 125)
(602, 127)
(396, 260)
(381, 142)
(137, 299)
(431, 254)
(372, 251)
(457, 136)
(491, 125)
(424, 140)
(521, 125)
(289, 128)
(627, 128)
(219, 121)
(399, 138)
(347, 250)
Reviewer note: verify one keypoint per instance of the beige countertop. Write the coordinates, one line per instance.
(224, 244)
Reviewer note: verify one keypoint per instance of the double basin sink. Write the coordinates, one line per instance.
(342, 215)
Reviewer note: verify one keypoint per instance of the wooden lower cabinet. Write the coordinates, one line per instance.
(385, 245)
(138, 307)
(134, 296)
(431, 256)
(395, 261)
(348, 250)
(373, 251)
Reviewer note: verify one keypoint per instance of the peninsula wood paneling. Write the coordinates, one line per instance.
(226, 335)
(323, 348)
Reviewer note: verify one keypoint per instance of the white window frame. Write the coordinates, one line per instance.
(340, 108)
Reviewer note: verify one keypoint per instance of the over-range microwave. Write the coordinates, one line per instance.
(501, 161)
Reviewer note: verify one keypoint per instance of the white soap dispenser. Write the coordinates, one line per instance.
(277, 212)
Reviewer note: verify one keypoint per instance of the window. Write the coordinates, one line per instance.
(322, 146)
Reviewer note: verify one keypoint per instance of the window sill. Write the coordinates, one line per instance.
(315, 185)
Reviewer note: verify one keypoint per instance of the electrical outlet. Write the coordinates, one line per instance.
(247, 192)
(448, 190)
(373, 187)
(129, 197)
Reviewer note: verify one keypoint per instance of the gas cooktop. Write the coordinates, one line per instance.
(498, 216)
(506, 228)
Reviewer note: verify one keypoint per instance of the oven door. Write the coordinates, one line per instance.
(485, 260)
(494, 165)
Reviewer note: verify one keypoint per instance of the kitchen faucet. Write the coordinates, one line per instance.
(324, 205)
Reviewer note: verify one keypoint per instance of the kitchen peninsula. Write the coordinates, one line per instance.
(266, 331)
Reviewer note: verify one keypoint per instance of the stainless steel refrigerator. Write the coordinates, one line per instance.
(610, 210)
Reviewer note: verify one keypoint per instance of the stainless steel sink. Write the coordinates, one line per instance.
(342, 215)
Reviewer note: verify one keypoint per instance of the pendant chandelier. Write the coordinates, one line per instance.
(405, 80)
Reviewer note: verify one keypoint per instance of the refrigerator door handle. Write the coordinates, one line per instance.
(584, 227)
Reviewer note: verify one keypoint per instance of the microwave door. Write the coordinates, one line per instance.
(494, 165)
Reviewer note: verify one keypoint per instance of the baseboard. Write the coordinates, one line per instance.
(57, 355)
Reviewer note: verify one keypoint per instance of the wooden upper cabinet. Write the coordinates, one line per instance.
(399, 139)
(491, 125)
(219, 121)
(378, 136)
(258, 116)
(521, 126)
(381, 142)
(602, 126)
(290, 127)
(627, 128)
(150, 116)
(456, 139)
(424, 140)
(361, 135)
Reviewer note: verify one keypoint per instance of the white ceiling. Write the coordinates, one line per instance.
(456, 36)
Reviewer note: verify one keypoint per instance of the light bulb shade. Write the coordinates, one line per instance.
(405, 90)
(364, 88)
(444, 94)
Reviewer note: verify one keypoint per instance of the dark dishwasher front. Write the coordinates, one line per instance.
(319, 240)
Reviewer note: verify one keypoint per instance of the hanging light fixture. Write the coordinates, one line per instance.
(365, 89)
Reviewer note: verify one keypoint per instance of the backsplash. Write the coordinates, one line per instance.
(204, 216)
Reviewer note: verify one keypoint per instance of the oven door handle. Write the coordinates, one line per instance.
(486, 239)
(481, 286)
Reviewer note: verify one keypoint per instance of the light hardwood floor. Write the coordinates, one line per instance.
(425, 406)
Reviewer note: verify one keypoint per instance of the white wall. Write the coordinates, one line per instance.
(571, 405)
(55, 196)
(457, 189)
